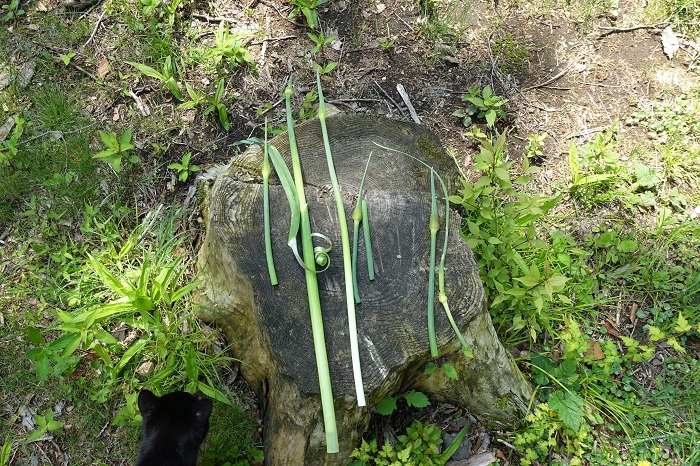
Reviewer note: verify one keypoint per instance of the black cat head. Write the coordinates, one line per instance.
(173, 428)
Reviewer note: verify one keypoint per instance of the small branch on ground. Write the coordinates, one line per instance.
(398, 107)
(612, 30)
(97, 24)
(555, 77)
(404, 96)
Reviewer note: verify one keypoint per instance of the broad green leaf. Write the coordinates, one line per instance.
(558, 280)
(490, 117)
(502, 174)
(656, 334)
(54, 425)
(135, 348)
(108, 278)
(673, 343)
(528, 281)
(573, 163)
(101, 351)
(212, 392)
(174, 89)
(223, 116)
(109, 140)
(35, 435)
(682, 325)
(42, 367)
(35, 336)
(73, 345)
(416, 399)
(147, 70)
(646, 177)
(125, 141)
(191, 365)
(542, 368)
(387, 406)
(429, 368)
(450, 371)
(569, 408)
(5, 453)
(143, 304)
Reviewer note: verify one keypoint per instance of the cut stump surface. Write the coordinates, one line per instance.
(269, 327)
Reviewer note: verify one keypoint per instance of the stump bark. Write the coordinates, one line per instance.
(269, 327)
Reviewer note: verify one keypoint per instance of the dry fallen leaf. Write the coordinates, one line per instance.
(595, 351)
(103, 68)
(670, 42)
(611, 328)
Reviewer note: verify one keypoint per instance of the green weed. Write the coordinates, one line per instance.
(419, 446)
(413, 398)
(117, 149)
(594, 168)
(13, 11)
(161, 8)
(184, 168)
(499, 226)
(483, 105)
(320, 40)
(216, 105)
(675, 121)
(45, 423)
(308, 9)
(166, 78)
(228, 49)
(138, 291)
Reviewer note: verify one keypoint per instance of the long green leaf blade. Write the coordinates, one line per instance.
(347, 261)
(324, 378)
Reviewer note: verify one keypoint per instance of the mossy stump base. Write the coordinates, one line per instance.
(269, 327)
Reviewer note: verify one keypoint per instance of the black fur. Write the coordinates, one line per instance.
(173, 428)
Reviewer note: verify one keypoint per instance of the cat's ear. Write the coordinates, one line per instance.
(147, 402)
(202, 410)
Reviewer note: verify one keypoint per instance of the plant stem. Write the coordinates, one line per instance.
(434, 227)
(266, 169)
(442, 297)
(358, 215)
(368, 242)
(347, 261)
(324, 378)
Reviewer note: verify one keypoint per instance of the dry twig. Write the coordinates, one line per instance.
(557, 76)
(404, 96)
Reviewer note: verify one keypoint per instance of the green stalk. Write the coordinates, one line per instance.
(266, 169)
(347, 261)
(357, 217)
(434, 227)
(368, 242)
(442, 297)
(324, 378)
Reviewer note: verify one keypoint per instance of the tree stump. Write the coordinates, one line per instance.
(269, 327)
